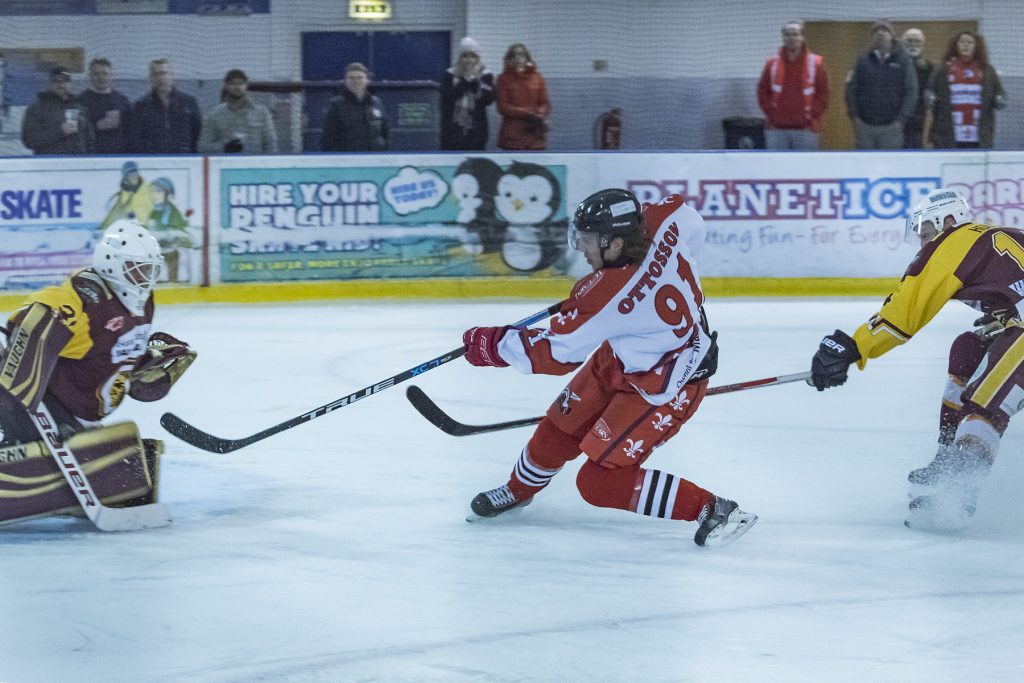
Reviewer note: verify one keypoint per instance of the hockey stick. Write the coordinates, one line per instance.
(105, 518)
(200, 439)
(449, 425)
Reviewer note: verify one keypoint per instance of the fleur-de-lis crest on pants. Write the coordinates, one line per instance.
(633, 449)
(661, 421)
(679, 401)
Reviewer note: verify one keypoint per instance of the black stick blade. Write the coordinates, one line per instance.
(440, 419)
(196, 437)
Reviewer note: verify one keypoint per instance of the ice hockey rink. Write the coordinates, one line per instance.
(338, 550)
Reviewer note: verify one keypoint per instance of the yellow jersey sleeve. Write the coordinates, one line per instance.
(920, 295)
(65, 302)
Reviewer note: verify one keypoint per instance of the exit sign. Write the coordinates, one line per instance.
(369, 9)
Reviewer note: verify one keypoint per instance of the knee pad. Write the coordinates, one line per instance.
(604, 487)
(550, 447)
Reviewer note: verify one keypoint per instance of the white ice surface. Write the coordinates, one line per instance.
(338, 550)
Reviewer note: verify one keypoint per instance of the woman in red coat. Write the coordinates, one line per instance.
(523, 102)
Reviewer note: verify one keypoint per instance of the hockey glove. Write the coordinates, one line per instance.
(166, 359)
(709, 365)
(830, 364)
(482, 346)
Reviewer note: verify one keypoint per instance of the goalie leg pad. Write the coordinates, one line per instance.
(119, 466)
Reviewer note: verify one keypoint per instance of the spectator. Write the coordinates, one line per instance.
(108, 109)
(965, 93)
(793, 93)
(355, 120)
(913, 129)
(522, 102)
(56, 123)
(466, 91)
(132, 199)
(166, 121)
(881, 91)
(238, 125)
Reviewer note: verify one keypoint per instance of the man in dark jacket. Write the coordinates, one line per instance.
(108, 109)
(166, 121)
(56, 123)
(881, 91)
(355, 121)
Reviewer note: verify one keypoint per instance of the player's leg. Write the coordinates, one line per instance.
(623, 438)
(122, 469)
(966, 353)
(555, 442)
(948, 499)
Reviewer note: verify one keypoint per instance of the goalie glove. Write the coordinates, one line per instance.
(166, 359)
(830, 364)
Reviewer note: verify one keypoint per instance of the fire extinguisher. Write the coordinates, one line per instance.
(608, 130)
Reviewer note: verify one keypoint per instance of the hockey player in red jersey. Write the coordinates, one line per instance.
(983, 266)
(641, 309)
(77, 349)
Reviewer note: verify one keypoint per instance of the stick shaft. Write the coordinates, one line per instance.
(449, 425)
(200, 439)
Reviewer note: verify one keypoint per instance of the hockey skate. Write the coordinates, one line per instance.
(492, 503)
(944, 493)
(723, 524)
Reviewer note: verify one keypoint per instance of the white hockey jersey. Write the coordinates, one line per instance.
(648, 313)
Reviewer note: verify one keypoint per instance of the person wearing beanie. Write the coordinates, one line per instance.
(132, 199)
(881, 91)
(467, 89)
(238, 125)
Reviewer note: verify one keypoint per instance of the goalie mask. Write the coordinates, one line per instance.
(128, 258)
(604, 216)
(929, 217)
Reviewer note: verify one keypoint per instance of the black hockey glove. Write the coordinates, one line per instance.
(709, 365)
(836, 353)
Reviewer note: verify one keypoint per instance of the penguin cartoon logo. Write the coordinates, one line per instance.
(474, 187)
(528, 198)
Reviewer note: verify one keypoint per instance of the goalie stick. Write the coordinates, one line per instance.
(105, 518)
(200, 439)
(449, 425)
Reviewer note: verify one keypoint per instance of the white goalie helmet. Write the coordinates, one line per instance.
(934, 209)
(128, 258)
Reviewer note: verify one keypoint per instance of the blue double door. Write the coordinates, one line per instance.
(405, 68)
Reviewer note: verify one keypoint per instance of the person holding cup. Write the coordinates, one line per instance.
(56, 123)
(108, 109)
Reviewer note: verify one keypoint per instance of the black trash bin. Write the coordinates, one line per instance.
(743, 133)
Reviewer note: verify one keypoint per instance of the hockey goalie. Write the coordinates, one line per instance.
(71, 354)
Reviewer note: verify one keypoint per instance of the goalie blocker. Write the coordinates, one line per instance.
(122, 467)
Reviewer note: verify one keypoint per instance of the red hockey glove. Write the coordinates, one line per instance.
(482, 346)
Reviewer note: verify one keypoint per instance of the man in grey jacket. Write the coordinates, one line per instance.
(56, 123)
(238, 125)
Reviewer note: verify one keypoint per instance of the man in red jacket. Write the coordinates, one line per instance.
(793, 93)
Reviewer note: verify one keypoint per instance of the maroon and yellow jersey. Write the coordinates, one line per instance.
(981, 265)
(92, 366)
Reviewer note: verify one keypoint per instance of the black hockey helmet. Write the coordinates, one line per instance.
(608, 213)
